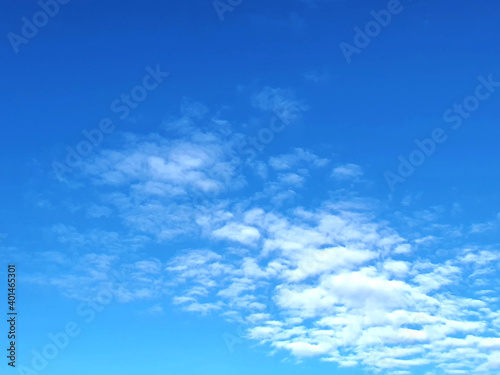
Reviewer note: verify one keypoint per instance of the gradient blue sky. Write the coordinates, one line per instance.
(296, 258)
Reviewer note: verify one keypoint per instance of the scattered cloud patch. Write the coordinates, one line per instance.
(347, 172)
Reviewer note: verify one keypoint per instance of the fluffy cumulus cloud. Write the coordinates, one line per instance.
(331, 284)
(325, 279)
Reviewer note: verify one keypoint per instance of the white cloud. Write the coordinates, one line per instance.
(237, 232)
(323, 276)
(345, 299)
(347, 172)
(298, 157)
(397, 268)
(280, 101)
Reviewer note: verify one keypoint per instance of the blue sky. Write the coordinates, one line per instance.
(195, 188)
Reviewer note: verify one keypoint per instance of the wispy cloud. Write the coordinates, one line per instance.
(347, 172)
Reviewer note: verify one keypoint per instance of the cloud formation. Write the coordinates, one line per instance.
(326, 278)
